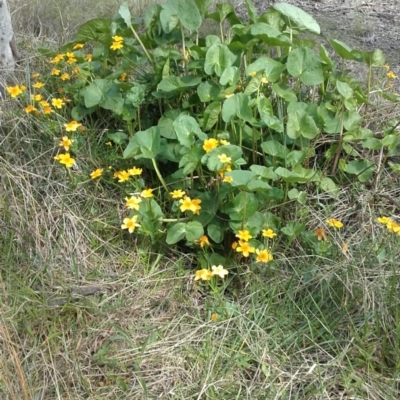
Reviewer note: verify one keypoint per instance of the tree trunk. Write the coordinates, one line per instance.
(8, 48)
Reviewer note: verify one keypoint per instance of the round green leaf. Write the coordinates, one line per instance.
(297, 18)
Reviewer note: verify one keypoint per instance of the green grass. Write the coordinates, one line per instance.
(311, 328)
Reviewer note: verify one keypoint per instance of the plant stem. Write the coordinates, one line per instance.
(161, 179)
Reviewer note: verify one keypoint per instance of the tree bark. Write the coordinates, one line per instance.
(8, 48)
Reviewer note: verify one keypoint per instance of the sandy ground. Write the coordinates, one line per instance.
(362, 24)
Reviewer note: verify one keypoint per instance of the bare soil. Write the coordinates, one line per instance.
(362, 24)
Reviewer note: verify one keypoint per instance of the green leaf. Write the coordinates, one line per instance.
(295, 157)
(237, 106)
(125, 14)
(344, 89)
(208, 91)
(203, 5)
(351, 120)
(117, 137)
(297, 18)
(243, 206)
(96, 29)
(264, 172)
(301, 124)
(211, 115)
(132, 149)
(268, 116)
(230, 76)
(193, 231)
(363, 169)
(191, 160)
(175, 233)
(270, 35)
(218, 58)
(271, 69)
(188, 13)
(304, 64)
(178, 84)
(345, 51)
(295, 194)
(216, 231)
(293, 229)
(135, 96)
(275, 149)
(224, 11)
(298, 175)
(251, 10)
(186, 127)
(284, 91)
(327, 185)
(149, 142)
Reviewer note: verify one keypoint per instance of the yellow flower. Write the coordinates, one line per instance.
(65, 159)
(384, 220)
(264, 80)
(108, 144)
(44, 103)
(227, 179)
(190, 205)
(224, 158)
(72, 60)
(57, 103)
(219, 271)
(391, 75)
(244, 235)
(203, 274)
(55, 72)
(118, 38)
(65, 76)
(203, 241)
(264, 256)
(386, 66)
(78, 46)
(234, 245)
(15, 91)
(35, 75)
(38, 85)
(210, 144)
(66, 142)
(116, 46)
(177, 194)
(214, 316)
(72, 126)
(130, 223)
(147, 193)
(393, 227)
(47, 110)
(97, 173)
(36, 97)
(122, 176)
(320, 233)
(88, 57)
(269, 233)
(245, 248)
(133, 202)
(123, 77)
(70, 54)
(30, 109)
(135, 171)
(57, 59)
(253, 74)
(224, 142)
(334, 223)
